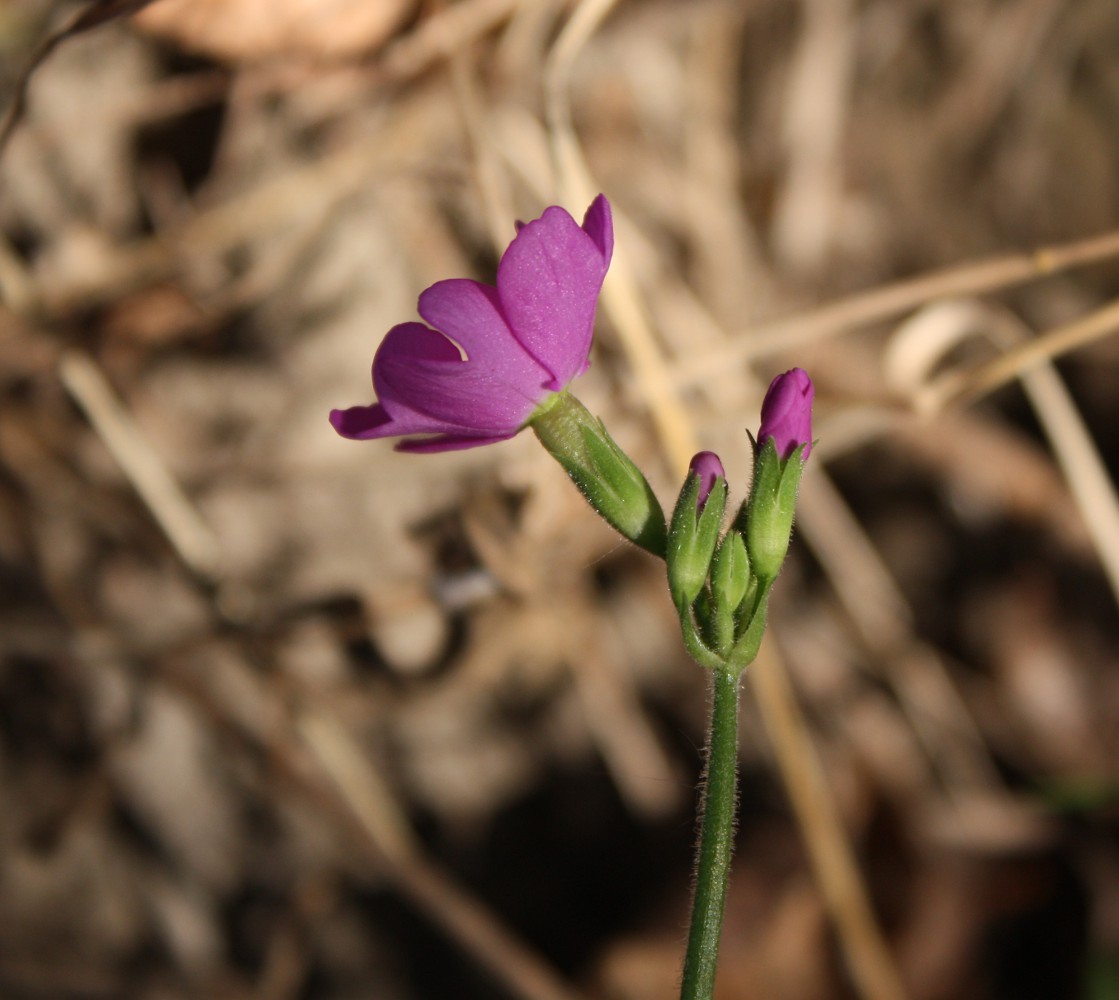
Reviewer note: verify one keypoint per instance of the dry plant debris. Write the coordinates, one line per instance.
(287, 717)
(267, 29)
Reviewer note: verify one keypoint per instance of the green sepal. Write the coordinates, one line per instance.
(730, 573)
(768, 514)
(730, 577)
(749, 641)
(696, 643)
(692, 540)
(602, 472)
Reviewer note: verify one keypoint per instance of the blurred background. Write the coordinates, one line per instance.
(294, 718)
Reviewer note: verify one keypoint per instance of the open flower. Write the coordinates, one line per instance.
(787, 413)
(523, 340)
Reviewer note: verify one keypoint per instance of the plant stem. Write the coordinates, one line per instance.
(716, 839)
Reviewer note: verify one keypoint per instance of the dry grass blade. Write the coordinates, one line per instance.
(1080, 460)
(93, 16)
(965, 386)
(365, 791)
(865, 308)
(1027, 358)
(191, 536)
(448, 30)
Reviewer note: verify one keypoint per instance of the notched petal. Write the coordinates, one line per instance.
(548, 280)
(598, 224)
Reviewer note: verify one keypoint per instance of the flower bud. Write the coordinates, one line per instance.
(694, 531)
(784, 441)
(787, 413)
(730, 573)
(706, 466)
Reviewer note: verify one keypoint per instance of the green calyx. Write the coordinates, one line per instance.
(766, 520)
(723, 617)
(720, 586)
(692, 537)
(603, 473)
(720, 601)
(730, 573)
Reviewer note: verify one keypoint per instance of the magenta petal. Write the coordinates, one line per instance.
(470, 314)
(414, 342)
(364, 423)
(449, 442)
(787, 413)
(418, 373)
(598, 224)
(360, 423)
(549, 280)
(709, 468)
(367, 423)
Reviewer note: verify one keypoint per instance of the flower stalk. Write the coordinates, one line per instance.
(723, 624)
(716, 839)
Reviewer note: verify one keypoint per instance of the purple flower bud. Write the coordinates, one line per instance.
(693, 532)
(707, 466)
(491, 355)
(787, 413)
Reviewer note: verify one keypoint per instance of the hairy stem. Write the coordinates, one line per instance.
(716, 839)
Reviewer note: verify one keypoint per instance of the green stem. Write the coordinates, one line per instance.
(716, 839)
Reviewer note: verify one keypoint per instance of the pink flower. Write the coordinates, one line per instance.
(787, 413)
(523, 340)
